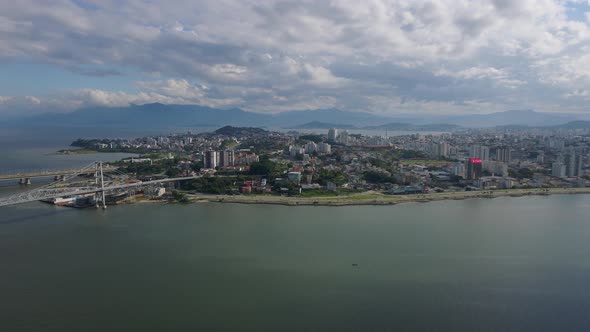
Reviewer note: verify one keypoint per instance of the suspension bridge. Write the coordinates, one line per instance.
(46, 173)
(99, 183)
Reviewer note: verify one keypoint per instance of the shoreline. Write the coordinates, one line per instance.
(377, 199)
(73, 152)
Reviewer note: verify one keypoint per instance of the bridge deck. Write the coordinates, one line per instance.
(38, 174)
(36, 195)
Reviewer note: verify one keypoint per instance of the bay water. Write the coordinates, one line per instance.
(504, 264)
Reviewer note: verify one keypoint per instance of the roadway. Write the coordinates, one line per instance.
(39, 174)
(42, 193)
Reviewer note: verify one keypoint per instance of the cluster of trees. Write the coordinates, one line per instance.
(142, 168)
(337, 177)
(165, 166)
(523, 173)
(227, 144)
(411, 154)
(394, 155)
(378, 177)
(261, 145)
(179, 197)
(211, 185)
(89, 143)
(380, 162)
(217, 185)
(267, 168)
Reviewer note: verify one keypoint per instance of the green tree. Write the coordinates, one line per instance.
(378, 177)
(523, 173)
(211, 185)
(179, 197)
(266, 167)
(335, 176)
(196, 166)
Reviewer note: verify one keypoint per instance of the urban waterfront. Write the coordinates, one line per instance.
(504, 264)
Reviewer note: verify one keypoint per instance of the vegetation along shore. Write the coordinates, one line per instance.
(373, 198)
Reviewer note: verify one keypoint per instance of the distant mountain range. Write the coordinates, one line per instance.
(414, 127)
(321, 125)
(387, 126)
(157, 115)
(523, 117)
(578, 124)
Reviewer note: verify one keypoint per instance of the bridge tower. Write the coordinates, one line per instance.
(98, 175)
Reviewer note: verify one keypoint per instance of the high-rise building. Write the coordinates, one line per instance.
(573, 163)
(503, 154)
(324, 147)
(211, 158)
(457, 169)
(479, 152)
(558, 169)
(474, 168)
(443, 149)
(556, 143)
(294, 151)
(226, 158)
(343, 137)
(332, 135)
(311, 147)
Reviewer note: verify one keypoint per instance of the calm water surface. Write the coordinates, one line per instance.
(507, 264)
(34, 149)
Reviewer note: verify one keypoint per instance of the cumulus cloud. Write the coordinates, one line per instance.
(161, 91)
(497, 76)
(375, 55)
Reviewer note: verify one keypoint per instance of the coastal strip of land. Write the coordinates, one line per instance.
(373, 198)
(76, 151)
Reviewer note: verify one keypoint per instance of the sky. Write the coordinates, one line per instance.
(380, 56)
